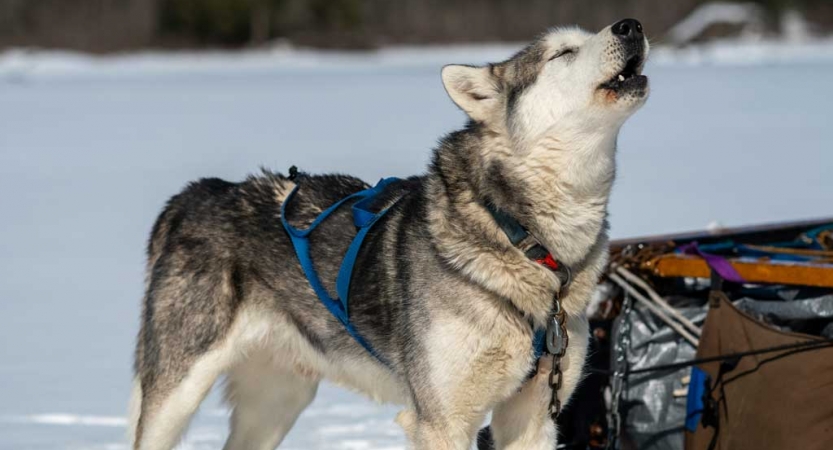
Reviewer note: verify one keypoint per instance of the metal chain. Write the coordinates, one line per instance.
(620, 371)
(557, 341)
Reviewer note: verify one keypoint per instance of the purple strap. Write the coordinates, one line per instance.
(719, 264)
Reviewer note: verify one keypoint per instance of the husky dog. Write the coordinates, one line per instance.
(439, 291)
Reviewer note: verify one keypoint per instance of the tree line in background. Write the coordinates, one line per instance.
(118, 25)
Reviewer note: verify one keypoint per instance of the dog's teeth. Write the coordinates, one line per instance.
(621, 77)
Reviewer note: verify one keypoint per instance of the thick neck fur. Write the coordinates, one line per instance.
(556, 187)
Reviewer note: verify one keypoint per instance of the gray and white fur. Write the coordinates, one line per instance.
(438, 289)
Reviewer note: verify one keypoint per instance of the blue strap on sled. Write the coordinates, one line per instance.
(809, 240)
(364, 219)
(698, 388)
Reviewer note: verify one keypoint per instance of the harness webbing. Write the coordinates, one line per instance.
(364, 219)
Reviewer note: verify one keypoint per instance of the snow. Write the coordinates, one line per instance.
(91, 147)
(26, 65)
(68, 419)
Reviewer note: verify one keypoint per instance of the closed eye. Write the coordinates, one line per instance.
(563, 52)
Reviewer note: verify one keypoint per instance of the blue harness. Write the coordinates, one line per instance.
(364, 219)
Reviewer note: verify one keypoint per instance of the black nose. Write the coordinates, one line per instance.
(628, 29)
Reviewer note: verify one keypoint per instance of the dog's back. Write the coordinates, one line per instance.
(216, 249)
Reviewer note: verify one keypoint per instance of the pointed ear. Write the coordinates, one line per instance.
(473, 89)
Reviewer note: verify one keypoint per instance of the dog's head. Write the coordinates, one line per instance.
(567, 82)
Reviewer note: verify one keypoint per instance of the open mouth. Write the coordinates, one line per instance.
(629, 77)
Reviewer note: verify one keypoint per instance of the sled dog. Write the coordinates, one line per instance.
(438, 290)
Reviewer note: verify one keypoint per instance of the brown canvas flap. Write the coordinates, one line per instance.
(780, 400)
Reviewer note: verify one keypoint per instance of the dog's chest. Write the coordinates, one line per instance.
(490, 348)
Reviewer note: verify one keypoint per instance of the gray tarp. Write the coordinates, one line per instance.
(654, 416)
(785, 315)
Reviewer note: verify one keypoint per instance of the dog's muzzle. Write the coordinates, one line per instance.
(632, 42)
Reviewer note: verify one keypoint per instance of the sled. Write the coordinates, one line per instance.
(711, 340)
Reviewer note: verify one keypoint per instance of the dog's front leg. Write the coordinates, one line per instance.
(523, 421)
(454, 432)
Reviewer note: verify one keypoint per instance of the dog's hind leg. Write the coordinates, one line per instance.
(166, 412)
(266, 398)
(134, 410)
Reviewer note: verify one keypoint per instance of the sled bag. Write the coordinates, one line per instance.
(777, 401)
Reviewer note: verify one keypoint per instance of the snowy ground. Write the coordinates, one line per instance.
(91, 148)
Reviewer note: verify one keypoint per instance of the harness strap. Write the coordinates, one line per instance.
(364, 219)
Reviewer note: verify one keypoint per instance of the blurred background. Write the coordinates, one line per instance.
(119, 25)
(108, 107)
